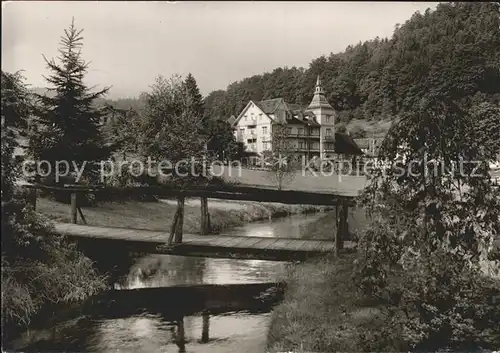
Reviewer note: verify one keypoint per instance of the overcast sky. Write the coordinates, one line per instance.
(130, 43)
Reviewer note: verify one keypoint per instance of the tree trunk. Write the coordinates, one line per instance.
(32, 198)
(73, 208)
(342, 229)
(345, 228)
(337, 228)
(205, 226)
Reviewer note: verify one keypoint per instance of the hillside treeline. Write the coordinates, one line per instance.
(453, 51)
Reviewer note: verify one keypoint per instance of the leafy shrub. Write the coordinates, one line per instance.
(433, 304)
(38, 267)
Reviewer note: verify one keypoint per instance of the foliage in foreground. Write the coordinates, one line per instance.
(432, 306)
(38, 267)
(435, 216)
(420, 261)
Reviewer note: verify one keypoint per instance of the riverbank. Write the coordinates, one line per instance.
(321, 311)
(159, 215)
(325, 226)
(241, 331)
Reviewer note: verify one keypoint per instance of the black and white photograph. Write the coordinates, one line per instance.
(250, 176)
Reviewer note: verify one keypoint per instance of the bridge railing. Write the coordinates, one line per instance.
(226, 192)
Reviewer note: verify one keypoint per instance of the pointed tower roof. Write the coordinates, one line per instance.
(319, 100)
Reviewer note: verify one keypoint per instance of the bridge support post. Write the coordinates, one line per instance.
(73, 207)
(178, 222)
(205, 327)
(180, 337)
(205, 216)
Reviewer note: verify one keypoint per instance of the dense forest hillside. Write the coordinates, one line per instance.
(452, 51)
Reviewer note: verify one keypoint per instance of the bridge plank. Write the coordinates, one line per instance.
(234, 240)
(264, 243)
(244, 242)
(259, 247)
(312, 245)
(221, 241)
(297, 245)
(201, 239)
(281, 244)
(250, 242)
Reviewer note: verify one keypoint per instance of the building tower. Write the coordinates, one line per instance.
(325, 116)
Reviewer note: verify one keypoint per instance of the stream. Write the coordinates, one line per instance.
(150, 332)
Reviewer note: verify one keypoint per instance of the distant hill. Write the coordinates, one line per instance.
(120, 103)
(42, 91)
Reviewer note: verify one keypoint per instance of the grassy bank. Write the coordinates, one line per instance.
(159, 215)
(325, 226)
(349, 185)
(321, 311)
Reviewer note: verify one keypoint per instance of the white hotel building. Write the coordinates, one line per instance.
(311, 129)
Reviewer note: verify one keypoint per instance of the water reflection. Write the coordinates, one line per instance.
(228, 333)
(167, 270)
(237, 332)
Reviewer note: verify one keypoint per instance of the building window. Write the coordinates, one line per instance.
(264, 130)
(301, 145)
(290, 130)
(301, 131)
(264, 146)
(328, 132)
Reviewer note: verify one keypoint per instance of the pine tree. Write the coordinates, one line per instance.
(69, 123)
(195, 99)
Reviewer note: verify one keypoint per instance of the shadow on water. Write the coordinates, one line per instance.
(166, 303)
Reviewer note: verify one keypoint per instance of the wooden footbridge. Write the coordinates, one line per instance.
(237, 247)
(174, 242)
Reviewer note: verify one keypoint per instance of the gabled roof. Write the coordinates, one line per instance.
(296, 107)
(245, 109)
(344, 144)
(269, 106)
(297, 121)
(272, 106)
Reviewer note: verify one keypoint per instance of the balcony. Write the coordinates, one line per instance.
(307, 149)
(296, 135)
